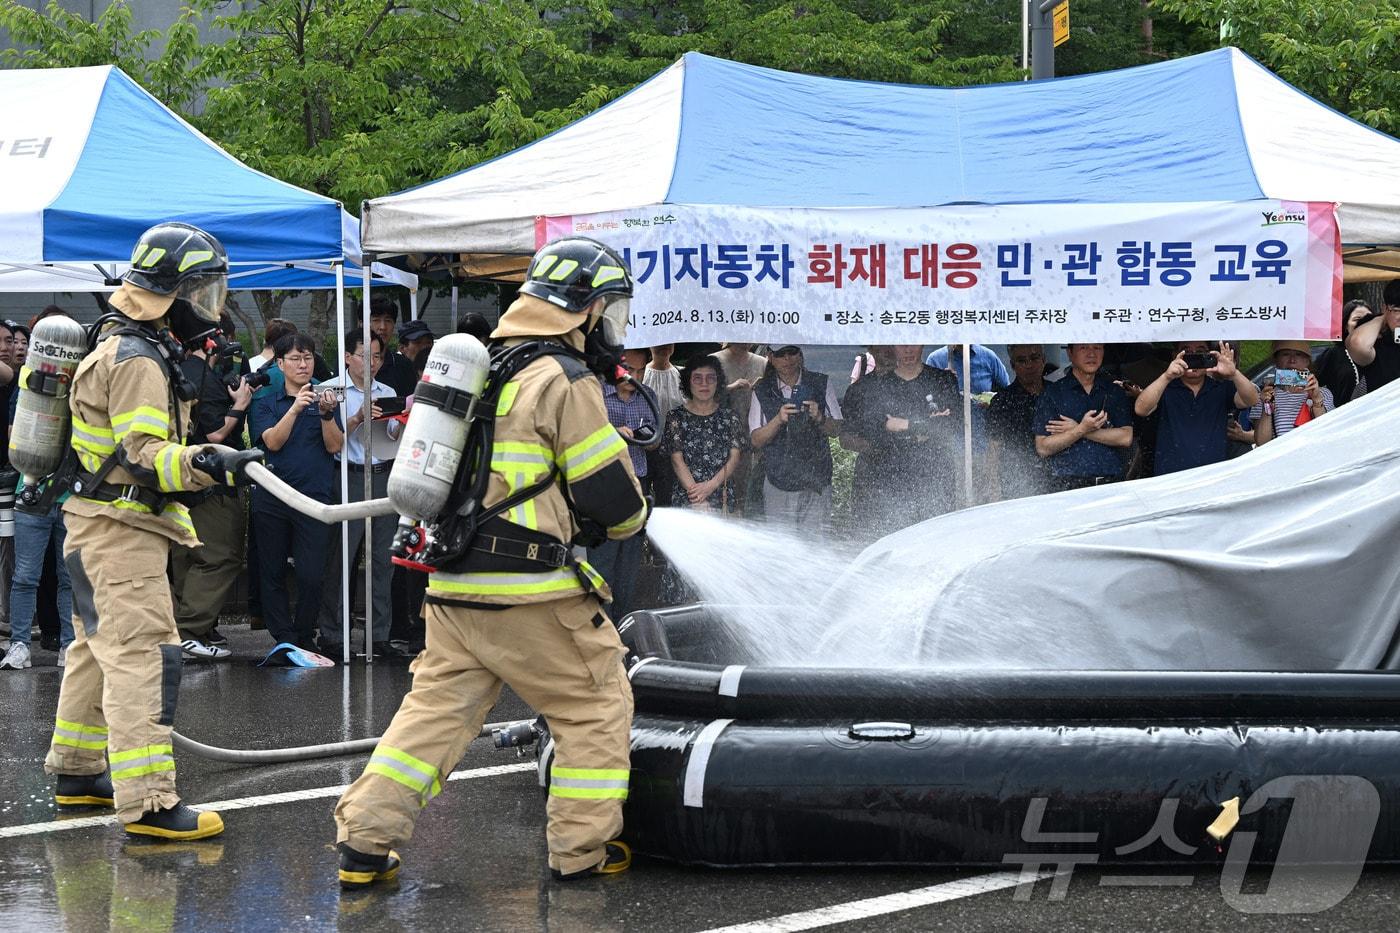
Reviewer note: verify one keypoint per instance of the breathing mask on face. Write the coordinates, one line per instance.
(604, 341)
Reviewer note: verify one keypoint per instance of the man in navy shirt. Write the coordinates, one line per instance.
(1194, 409)
(1082, 422)
(298, 430)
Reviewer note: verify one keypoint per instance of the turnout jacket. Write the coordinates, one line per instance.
(550, 414)
(122, 404)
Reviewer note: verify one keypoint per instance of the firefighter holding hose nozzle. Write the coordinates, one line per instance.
(507, 601)
(127, 469)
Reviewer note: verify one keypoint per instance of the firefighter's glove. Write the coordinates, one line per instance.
(229, 467)
(590, 534)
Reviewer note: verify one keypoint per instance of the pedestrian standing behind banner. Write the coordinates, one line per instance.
(911, 416)
(130, 407)
(705, 439)
(665, 380)
(743, 369)
(792, 414)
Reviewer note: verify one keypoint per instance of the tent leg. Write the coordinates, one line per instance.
(454, 307)
(344, 469)
(967, 422)
(413, 304)
(369, 473)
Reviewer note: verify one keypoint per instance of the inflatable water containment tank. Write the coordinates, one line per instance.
(738, 765)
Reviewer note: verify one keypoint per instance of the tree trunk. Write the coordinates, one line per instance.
(245, 321)
(320, 319)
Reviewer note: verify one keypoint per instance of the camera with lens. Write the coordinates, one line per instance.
(9, 478)
(255, 380)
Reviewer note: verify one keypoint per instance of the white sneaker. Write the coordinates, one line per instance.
(62, 657)
(17, 658)
(203, 651)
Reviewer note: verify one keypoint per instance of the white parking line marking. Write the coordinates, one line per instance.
(243, 803)
(887, 904)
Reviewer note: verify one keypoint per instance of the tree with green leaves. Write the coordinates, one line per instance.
(1346, 54)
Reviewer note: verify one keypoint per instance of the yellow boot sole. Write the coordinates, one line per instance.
(361, 879)
(83, 801)
(209, 824)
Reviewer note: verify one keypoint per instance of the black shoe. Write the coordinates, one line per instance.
(358, 870)
(215, 637)
(385, 649)
(177, 822)
(618, 860)
(48, 642)
(84, 790)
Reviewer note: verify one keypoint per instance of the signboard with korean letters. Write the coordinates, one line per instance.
(1038, 273)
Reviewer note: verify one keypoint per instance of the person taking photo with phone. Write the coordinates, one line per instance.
(1194, 398)
(1294, 397)
(366, 398)
(1375, 342)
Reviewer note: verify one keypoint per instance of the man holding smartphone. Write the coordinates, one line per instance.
(360, 386)
(1194, 397)
(1082, 422)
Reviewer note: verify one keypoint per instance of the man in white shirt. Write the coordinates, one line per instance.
(383, 446)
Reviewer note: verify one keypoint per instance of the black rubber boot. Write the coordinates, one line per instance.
(358, 870)
(84, 790)
(177, 822)
(618, 860)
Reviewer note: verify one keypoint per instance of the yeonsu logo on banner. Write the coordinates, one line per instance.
(1037, 273)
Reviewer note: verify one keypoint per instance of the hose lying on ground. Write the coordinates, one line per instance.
(251, 756)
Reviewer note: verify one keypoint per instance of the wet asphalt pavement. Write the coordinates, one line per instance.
(477, 861)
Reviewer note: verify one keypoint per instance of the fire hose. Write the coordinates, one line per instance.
(328, 514)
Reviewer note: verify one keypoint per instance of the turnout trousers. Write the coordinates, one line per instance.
(564, 658)
(117, 701)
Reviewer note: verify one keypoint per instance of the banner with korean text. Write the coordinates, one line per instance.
(1046, 273)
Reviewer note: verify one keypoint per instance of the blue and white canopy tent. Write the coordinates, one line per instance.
(1215, 127)
(735, 190)
(90, 160)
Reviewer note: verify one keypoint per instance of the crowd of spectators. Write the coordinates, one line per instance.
(733, 433)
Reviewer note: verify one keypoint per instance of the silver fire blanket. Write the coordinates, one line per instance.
(1286, 558)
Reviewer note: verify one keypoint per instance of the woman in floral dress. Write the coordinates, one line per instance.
(705, 438)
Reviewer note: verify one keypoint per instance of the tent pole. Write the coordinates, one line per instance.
(967, 421)
(454, 307)
(413, 304)
(368, 471)
(1026, 39)
(344, 467)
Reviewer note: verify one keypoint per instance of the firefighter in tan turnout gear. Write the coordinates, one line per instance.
(516, 607)
(130, 410)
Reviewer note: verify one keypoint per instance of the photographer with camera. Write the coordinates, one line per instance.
(1293, 398)
(1200, 390)
(202, 576)
(1374, 343)
(792, 414)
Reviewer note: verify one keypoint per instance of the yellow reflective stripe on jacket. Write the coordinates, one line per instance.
(168, 468)
(79, 735)
(507, 399)
(563, 580)
(520, 464)
(91, 438)
(145, 419)
(173, 511)
(636, 521)
(403, 768)
(589, 783)
(591, 452)
(148, 759)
